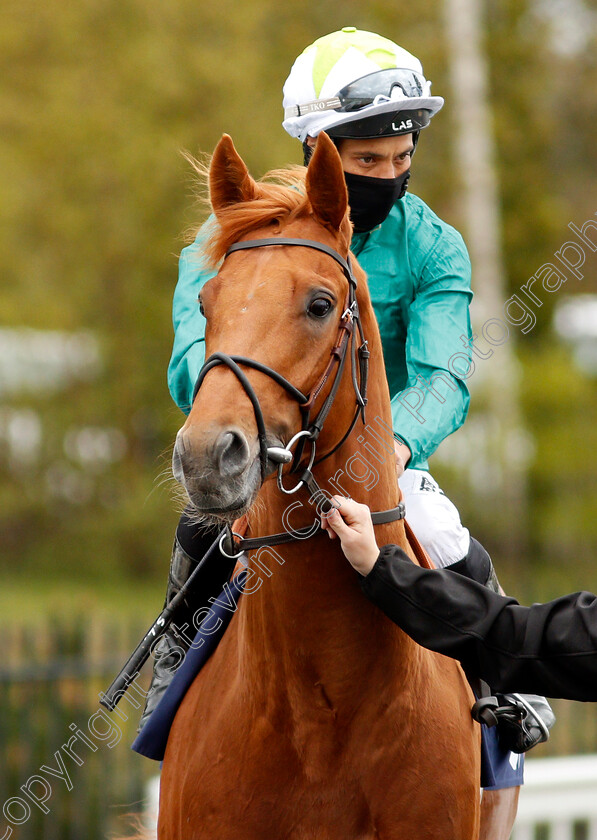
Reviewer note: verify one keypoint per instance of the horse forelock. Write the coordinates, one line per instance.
(281, 198)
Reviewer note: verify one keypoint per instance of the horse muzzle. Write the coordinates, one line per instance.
(220, 473)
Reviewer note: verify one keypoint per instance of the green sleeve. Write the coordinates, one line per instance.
(435, 401)
(188, 352)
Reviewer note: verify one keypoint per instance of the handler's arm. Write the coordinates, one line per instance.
(544, 649)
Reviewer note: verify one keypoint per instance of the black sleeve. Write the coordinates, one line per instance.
(546, 649)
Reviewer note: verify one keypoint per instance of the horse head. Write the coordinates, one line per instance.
(274, 319)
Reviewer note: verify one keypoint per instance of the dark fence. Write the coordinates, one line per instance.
(66, 768)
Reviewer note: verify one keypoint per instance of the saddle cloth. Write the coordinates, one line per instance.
(151, 741)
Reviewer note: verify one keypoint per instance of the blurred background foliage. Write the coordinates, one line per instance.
(97, 99)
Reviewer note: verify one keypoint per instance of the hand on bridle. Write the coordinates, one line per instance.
(352, 523)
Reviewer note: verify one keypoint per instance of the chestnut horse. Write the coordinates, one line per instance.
(316, 717)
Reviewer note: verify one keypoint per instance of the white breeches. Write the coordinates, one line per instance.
(434, 518)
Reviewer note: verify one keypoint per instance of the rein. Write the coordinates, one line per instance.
(345, 345)
(380, 517)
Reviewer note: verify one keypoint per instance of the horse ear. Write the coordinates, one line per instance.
(326, 186)
(229, 178)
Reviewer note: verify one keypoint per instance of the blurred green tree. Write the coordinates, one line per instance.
(96, 101)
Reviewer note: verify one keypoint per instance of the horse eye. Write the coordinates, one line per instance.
(320, 307)
(201, 309)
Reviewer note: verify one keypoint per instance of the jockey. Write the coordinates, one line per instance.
(371, 97)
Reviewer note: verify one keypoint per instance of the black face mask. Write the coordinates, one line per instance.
(371, 199)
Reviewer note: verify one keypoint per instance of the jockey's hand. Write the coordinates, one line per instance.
(351, 521)
(403, 454)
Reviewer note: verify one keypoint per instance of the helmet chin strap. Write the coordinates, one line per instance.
(308, 150)
(307, 153)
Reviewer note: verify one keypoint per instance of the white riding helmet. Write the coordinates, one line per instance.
(354, 83)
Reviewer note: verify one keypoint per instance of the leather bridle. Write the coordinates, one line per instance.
(346, 344)
(346, 339)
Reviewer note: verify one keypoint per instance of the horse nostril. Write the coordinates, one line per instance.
(232, 453)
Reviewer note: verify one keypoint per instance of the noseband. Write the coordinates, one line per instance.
(310, 430)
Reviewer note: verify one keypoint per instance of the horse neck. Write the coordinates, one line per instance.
(309, 617)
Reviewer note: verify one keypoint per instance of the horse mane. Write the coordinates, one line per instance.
(281, 196)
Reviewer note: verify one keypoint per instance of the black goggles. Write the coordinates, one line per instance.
(365, 91)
